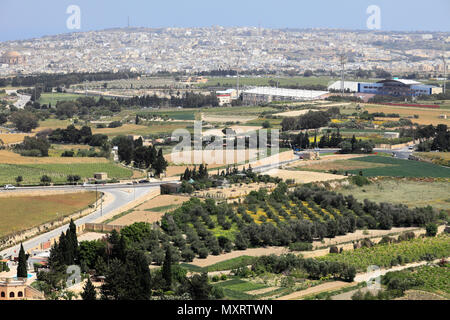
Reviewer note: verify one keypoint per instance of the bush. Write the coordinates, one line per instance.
(359, 180)
(431, 230)
(300, 246)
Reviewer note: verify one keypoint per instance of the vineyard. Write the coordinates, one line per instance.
(388, 255)
(431, 278)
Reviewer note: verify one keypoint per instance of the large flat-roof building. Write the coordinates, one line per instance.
(398, 88)
(269, 94)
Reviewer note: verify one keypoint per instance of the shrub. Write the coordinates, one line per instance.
(431, 229)
(300, 246)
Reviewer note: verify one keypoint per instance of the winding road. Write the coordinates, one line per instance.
(119, 199)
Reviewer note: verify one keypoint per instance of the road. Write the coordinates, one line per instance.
(23, 99)
(119, 199)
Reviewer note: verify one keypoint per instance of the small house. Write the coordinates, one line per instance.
(170, 188)
(101, 176)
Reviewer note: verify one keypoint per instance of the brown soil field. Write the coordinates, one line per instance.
(8, 138)
(22, 212)
(161, 201)
(143, 213)
(426, 116)
(138, 216)
(304, 176)
(211, 157)
(294, 113)
(226, 118)
(328, 286)
(9, 157)
(343, 165)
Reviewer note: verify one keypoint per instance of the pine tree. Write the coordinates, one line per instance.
(89, 292)
(22, 267)
(167, 269)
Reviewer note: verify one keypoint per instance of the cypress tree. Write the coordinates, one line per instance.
(167, 268)
(89, 292)
(22, 267)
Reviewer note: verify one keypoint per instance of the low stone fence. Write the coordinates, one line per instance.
(101, 227)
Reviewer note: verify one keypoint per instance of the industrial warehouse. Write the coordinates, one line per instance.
(393, 87)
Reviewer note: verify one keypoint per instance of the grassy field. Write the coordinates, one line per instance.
(53, 98)
(409, 192)
(401, 168)
(374, 166)
(265, 81)
(23, 212)
(32, 173)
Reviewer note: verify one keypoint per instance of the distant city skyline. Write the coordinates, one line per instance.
(25, 19)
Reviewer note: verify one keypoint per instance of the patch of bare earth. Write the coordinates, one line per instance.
(262, 291)
(138, 216)
(328, 286)
(254, 252)
(161, 201)
(304, 176)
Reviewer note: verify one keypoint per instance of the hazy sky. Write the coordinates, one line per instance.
(22, 19)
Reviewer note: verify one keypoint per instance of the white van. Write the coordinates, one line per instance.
(9, 187)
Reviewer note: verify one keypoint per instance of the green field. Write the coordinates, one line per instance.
(265, 81)
(32, 173)
(401, 168)
(408, 192)
(22, 212)
(53, 98)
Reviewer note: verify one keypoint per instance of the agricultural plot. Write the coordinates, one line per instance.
(238, 289)
(53, 98)
(267, 81)
(433, 193)
(19, 213)
(426, 116)
(32, 173)
(152, 129)
(374, 166)
(433, 278)
(401, 168)
(388, 255)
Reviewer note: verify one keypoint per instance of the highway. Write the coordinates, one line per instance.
(119, 199)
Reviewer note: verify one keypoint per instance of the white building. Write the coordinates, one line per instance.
(269, 94)
(350, 86)
(226, 96)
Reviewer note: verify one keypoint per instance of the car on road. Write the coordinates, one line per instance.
(144, 181)
(411, 148)
(9, 187)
